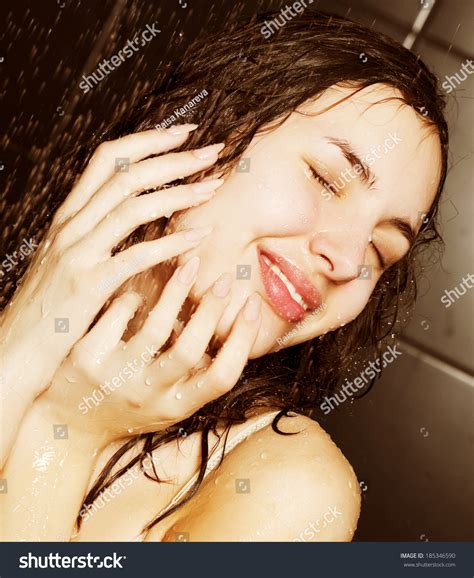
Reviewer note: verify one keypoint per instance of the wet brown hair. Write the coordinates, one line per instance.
(253, 81)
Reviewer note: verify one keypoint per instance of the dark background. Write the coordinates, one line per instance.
(410, 439)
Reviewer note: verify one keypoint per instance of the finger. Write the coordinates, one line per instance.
(114, 272)
(191, 345)
(137, 211)
(224, 372)
(159, 324)
(108, 331)
(111, 155)
(148, 174)
(203, 363)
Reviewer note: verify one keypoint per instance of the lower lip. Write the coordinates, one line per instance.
(279, 296)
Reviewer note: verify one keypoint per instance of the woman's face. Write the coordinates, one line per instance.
(315, 246)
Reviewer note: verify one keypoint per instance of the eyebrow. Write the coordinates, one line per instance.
(402, 225)
(354, 160)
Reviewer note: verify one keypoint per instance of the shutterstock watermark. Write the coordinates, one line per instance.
(116, 488)
(358, 169)
(182, 111)
(56, 560)
(109, 65)
(351, 387)
(120, 276)
(451, 82)
(106, 388)
(314, 528)
(11, 261)
(286, 14)
(452, 295)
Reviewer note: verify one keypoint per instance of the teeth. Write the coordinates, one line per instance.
(294, 294)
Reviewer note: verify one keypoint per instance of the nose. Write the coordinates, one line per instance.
(341, 253)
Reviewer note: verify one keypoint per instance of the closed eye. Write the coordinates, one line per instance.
(322, 181)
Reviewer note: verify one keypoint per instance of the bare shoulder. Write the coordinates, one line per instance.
(275, 487)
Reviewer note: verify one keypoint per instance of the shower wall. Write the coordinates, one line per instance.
(410, 438)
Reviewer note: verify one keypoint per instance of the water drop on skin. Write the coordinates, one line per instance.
(199, 384)
(147, 381)
(264, 455)
(130, 430)
(44, 310)
(178, 395)
(162, 363)
(170, 356)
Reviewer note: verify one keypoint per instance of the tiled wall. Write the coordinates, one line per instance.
(410, 439)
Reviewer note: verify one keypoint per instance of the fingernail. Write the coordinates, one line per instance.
(181, 128)
(197, 234)
(252, 307)
(222, 286)
(187, 273)
(209, 151)
(205, 187)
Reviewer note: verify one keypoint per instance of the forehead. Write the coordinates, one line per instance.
(369, 120)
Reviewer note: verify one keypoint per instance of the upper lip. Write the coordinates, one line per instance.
(308, 291)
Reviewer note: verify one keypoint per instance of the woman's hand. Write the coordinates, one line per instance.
(107, 389)
(74, 273)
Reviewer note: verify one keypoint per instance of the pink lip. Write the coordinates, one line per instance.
(276, 290)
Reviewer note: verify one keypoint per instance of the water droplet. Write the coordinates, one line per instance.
(349, 483)
(147, 381)
(130, 430)
(200, 383)
(170, 356)
(264, 455)
(162, 363)
(178, 395)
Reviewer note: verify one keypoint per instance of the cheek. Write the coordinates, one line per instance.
(347, 301)
(275, 204)
(343, 305)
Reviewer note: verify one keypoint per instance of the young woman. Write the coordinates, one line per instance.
(151, 381)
